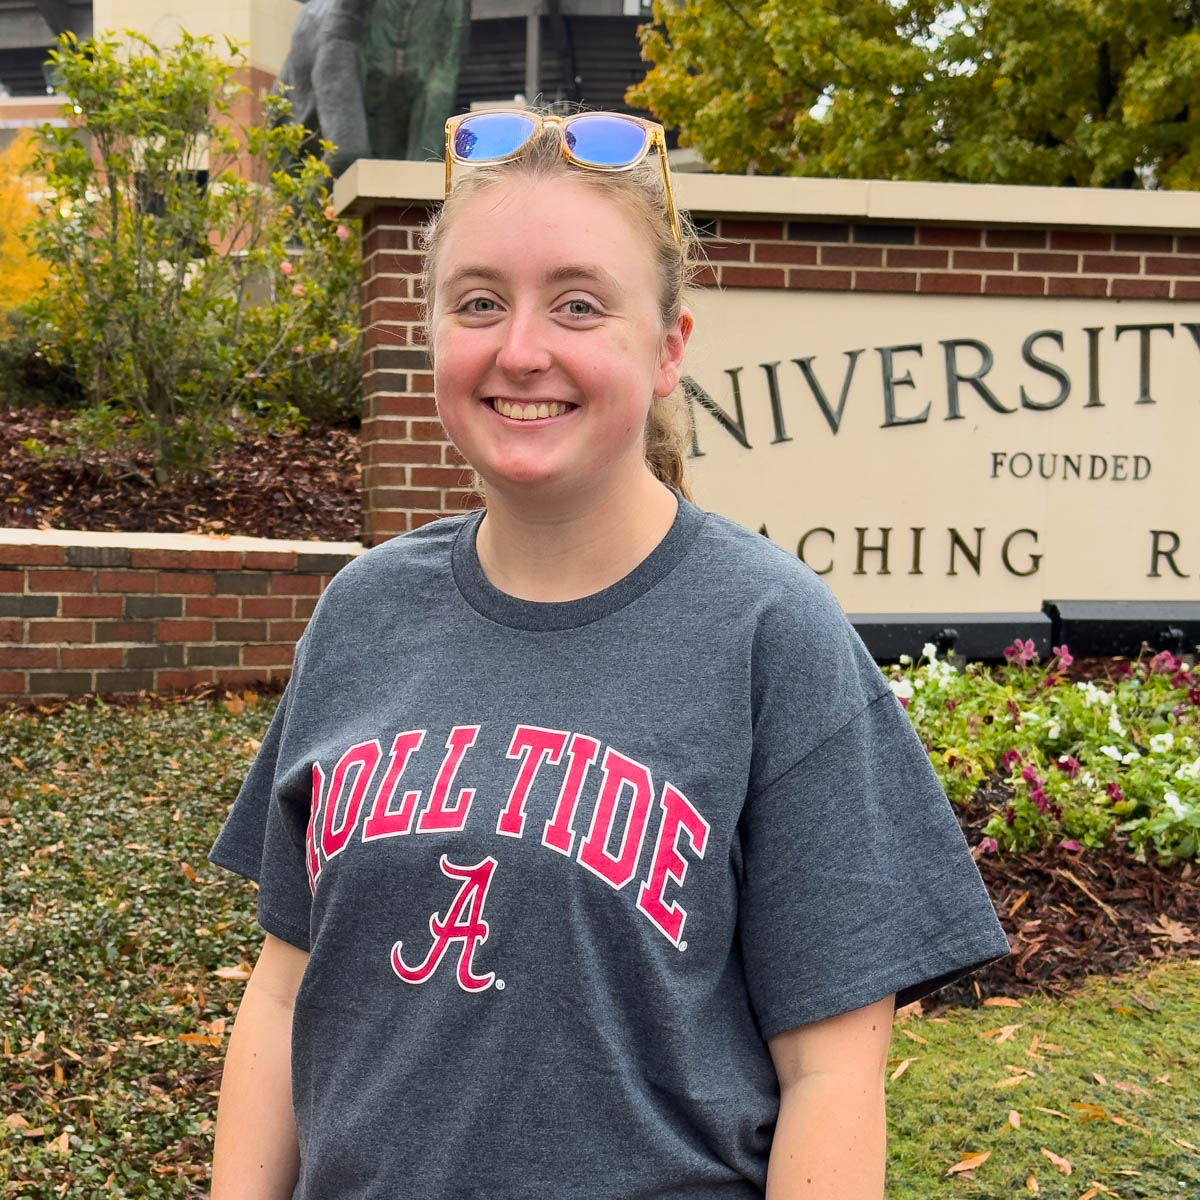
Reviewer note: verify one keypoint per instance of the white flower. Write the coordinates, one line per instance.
(1112, 752)
(1087, 779)
(1189, 770)
(906, 660)
(1093, 694)
(929, 651)
(1031, 718)
(1132, 756)
(901, 688)
(1115, 725)
(1053, 731)
(1172, 802)
(1161, 742)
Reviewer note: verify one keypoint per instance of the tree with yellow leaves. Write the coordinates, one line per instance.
(22, 273)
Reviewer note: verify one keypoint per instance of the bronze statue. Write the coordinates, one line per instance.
(376, 78)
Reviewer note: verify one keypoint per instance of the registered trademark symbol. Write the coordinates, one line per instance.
(499, 985)
(683, 945)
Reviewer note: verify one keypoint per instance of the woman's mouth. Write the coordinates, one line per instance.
(517, 410)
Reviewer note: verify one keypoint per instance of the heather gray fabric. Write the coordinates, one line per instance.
(692, 816)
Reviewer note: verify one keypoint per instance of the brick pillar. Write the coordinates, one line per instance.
(411, 472)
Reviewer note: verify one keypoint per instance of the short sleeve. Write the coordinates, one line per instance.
(857, 880)
(263, 839)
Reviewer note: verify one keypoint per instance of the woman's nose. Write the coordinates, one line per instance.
(524, 348)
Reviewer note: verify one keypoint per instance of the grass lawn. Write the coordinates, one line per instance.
(123, 953)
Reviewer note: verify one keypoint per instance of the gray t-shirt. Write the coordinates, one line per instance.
(563, 867)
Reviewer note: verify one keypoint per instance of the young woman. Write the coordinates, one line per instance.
(594, 851)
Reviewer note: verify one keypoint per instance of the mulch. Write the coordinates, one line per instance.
(1067, 914)
(296, 485)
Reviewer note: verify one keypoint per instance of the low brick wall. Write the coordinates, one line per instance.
(96, 612)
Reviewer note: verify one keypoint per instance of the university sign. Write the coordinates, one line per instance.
(942, 454)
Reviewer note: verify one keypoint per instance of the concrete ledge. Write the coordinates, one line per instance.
(173, 541)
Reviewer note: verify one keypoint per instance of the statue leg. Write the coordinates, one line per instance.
(337, 82)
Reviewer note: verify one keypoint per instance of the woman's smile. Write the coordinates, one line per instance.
(529, 410)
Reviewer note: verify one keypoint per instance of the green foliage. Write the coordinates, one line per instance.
(1086, 763)
(1098, 93)
(194, 282)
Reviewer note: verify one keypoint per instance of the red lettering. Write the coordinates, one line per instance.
(533, 746)
(677, 815)
(558, 834)
(362, 758)
(619, 773)
(438, 816)
(312, 862)
(382, 822)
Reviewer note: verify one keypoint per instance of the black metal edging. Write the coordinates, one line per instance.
(969, 635)
(1123, 626)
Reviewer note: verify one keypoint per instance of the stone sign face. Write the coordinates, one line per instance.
(934, 454)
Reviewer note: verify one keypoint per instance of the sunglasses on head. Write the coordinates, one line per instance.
(597, 141)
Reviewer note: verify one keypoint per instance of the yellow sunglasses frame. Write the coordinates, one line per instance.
(657, 141)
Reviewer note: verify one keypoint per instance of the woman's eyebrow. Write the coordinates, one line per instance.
(570, 272)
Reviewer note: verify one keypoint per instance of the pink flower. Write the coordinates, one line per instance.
(1038, 796)
(1065, 657)
(1021, 653)
(342, 232)
(297, 349)
(1069, 765)
(285, 267)
(1164, 663)
(297, 289)
(330, 212)
(1069, 844)
(333, 343)
(1031, 777)
(1114, 793)
(988, 846)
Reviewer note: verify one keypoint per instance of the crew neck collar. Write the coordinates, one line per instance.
(547, 616)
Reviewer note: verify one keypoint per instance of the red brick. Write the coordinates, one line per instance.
(241, 631)
(421, 382)
(1017, 239)
(32, 556)
(266, 606)
(931, 235)
(406, 498)
(127, 581)
(1140, 289)
(184, 631)
(419, 519)
(262, 656)
(1047, 262)
(295, 585)
(1176, 265)
(270, 560)
(215, 560)
(384, 238)
(187, 583)
(124, 631)
(1186, 289)
(379, 476)
(12, 683)
(851, 256)
(93, 656)
(982, 260)
(405, 406)
(183, 678)
(373, 449)
(885, 281)
(409, 452)
(1014, 285)
(61, 581)
(727, 251)
(286, 631)
(240, 677)
(462, 501)
(92, 606)
(451, 477)
(950, 283)
(386, 429)
(385, 333)
(1187, 244)
(804, 278)
(211, 606)
(905, 256)
(1078, 239)
(393, 262)
(784, 252)
(163, 559)
(303, 606)
(753, 230)
(27, 656)
(452, 456)
(1154, 243)
(389, 311)
(12, 630)
(1112, 264)
(764, 277)
(60, 631)
(12, 581)
(1075, 285)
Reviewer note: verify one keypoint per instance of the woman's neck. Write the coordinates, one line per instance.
(546, 553)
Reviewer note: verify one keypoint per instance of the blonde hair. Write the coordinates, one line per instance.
(640, 192)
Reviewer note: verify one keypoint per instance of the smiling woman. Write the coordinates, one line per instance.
(588, 795)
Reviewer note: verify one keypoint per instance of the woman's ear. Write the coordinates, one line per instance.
(670, 364)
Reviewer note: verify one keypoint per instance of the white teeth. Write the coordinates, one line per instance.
(529, 412)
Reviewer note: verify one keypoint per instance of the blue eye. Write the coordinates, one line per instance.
(475, 303)
(580, 308)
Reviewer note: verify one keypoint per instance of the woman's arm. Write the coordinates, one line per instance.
(256, 1156)
(831, 1136)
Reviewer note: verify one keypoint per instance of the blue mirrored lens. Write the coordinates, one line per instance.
(606, 141)
(491, 135)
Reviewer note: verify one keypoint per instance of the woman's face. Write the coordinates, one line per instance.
(548, 344)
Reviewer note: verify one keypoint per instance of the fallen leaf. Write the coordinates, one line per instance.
(1031, 1183)
(1116, 1120)
(1058, 1163)
(189, 873)
(1097, 1188)
(16, 762)
(1128, 1012)
(916, 1037)
(199, 1039)
(16, 1121)
(1051, 1046)
(1003, 1034)
(1149, 1005)
(970, 1163)
(1012, 1081)
(1131, 1087)
(901, 1069)
(241, 971)
(1016, 904)
(1052, 1111)
(62, 1143)
(148, 1040)
(1001, 1002)
(59, 1074)
(1185, 1145)
(216, 1026)
(1099, 1079)
(1173, 931)
(234, 705)
(1091, 1112)
(1165, 1077)
(1014, 1118)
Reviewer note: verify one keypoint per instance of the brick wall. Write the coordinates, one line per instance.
(104, 613)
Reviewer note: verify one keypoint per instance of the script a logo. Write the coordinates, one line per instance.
(463, 923)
